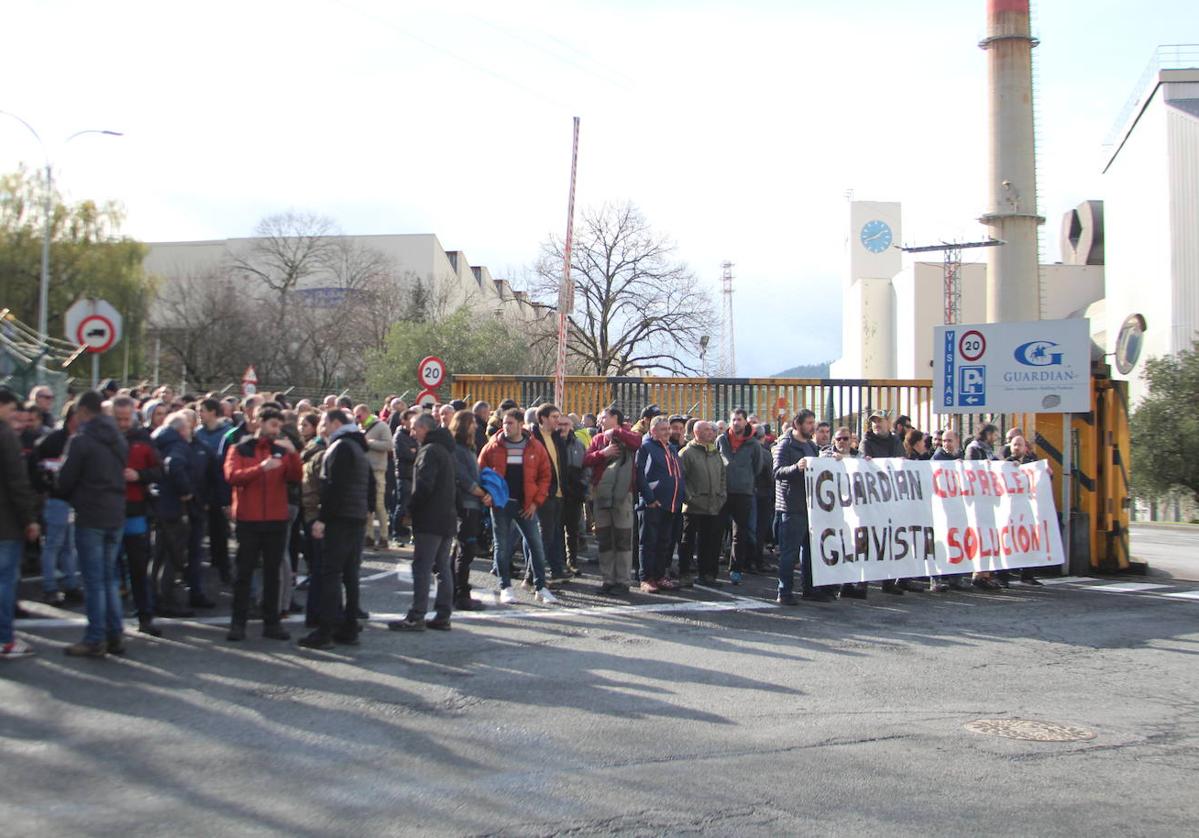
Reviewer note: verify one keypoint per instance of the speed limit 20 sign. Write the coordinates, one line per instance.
(431, 372)
(972, 345)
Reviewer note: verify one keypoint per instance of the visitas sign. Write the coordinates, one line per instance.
(1042, 366)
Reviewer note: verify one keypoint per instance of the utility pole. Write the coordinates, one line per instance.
(566, 291)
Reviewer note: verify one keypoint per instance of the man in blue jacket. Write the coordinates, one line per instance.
(206, 476)
(660, 486)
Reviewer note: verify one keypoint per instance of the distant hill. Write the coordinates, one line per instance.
(805, 371)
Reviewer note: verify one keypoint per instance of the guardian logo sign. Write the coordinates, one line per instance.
(1012, 368)
(1038, 353)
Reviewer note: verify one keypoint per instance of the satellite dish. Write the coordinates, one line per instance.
(1129, 342)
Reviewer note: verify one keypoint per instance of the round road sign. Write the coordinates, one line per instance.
(249, 381)
(426, 399)
(972, 346)
(431, 372)
(97, 332)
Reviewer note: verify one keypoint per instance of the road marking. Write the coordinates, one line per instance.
(1066, 580)
(402, 573)
(1127, 587)
(1183, 595)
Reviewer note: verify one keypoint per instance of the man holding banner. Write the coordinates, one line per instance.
(791, 508)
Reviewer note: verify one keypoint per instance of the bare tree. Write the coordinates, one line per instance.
(635, 307)
(207, 325)
(287, 249)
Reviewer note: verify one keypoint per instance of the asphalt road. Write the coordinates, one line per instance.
(713, 713)
(1170, 549)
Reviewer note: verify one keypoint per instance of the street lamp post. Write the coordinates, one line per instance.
(43, 300)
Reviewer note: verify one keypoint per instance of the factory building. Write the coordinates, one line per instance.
(447, 277)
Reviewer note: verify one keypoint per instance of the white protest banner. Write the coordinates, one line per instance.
(894, 519)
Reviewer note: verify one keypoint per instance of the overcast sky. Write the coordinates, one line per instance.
(737, 127)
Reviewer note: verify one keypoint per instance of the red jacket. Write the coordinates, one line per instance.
(260, 495)
(143, 458)
(597, 462)
(536, 466)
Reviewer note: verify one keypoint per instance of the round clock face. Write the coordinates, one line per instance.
(876, 236)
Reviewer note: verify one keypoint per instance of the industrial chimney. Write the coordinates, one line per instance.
(1013, 270)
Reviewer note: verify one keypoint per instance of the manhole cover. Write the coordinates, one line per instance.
(1030, 729)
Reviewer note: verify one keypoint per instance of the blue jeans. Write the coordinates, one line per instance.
(58, 550)
(10, 576)
(549, 516)
(530, 529)
(794, 548)
(98, 560)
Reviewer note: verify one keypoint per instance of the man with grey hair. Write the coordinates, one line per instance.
(704, 479)
(175, 493)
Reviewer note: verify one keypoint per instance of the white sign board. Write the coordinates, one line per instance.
(873, 520)
(92, 323)
(1043, 366)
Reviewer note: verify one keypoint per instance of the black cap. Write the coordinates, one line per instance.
(109, 386)
(651, 411)
(678, 417)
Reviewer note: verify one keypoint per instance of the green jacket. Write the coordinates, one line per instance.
(704, 477)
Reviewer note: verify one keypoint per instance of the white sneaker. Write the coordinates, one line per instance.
(15, 649)
(546, 597)
(508, 597)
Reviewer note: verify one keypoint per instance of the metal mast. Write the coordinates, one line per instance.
(728, 347)
(953, 272)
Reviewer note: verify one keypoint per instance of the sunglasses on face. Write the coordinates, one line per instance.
(842, 439)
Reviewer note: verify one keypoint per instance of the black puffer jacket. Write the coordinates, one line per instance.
(93, 474)
(405, 454)
(881, 445)
(347, 485)
(432, 506)
(16, 495)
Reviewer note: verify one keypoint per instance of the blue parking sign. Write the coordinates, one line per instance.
(972, 386)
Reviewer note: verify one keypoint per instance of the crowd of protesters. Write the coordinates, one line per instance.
(122, 495)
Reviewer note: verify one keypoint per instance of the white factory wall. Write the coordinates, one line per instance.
(1182, 138)
(918, 292)
(919, 306)
(1138, 239)
(1067, 290)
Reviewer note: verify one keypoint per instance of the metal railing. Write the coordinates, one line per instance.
(1165, 57)
(837, 401)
